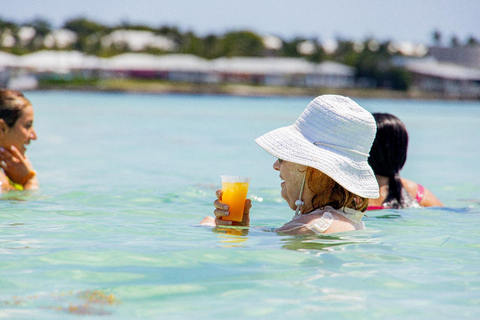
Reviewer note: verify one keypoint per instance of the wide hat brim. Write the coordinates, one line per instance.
(350, 170)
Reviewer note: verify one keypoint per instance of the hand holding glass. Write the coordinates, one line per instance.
(234, 194)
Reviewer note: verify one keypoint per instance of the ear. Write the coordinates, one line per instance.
(3, 128)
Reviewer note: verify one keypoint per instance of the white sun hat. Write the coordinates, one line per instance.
(334, 135)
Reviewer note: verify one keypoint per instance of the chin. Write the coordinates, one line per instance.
(290, 203)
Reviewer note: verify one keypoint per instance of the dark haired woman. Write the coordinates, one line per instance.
(387, 157)
(16, 132)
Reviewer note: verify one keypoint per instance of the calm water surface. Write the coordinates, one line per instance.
(126, 178)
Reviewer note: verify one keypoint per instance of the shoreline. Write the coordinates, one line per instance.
(242, 90)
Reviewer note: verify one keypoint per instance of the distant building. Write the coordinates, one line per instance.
(7, 62)
(187, 68)
(26, 34)
(172, 67)
(7, 40)
(331, 74)
(22, 81)
(466, 56)
(263, 71)
(283, 72)
(60, 62)
(61, 38)
(138, 40)
(13, 77)
(133, 65)
(269, 71)
(453, 72)
(452, 80)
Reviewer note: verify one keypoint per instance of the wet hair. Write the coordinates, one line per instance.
(12, 104)
(327, 192)
(388, 155)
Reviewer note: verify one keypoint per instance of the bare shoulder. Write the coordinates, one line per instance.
(410, 186)
(340, 224)
(304, 224)
(429, 199)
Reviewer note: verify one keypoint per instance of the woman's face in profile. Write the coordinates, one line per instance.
(291, 175)
(20, 134)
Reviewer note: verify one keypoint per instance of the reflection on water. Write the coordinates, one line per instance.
(88, 302)
(15, 195)
(231, 236)
(389, 216)
(323, 242)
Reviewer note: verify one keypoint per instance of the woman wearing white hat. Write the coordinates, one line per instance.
(322, 160)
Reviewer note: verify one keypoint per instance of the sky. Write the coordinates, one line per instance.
(356, 20)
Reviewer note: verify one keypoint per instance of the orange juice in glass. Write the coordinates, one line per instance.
(234, 194)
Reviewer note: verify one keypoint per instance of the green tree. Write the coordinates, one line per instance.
(241, 44)
(9, 26)
(211, 47)
(172, 33)
(454, 42)
(84, 29)
(344, 53)
(41, 26)
(437, 38)
(472, 41)
(138, 27)
(372, 64)
(289, 48)
(318, 55)
(4, 24)
(397, 78)
(191, 44)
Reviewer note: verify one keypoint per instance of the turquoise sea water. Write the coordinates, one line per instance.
(125, 179)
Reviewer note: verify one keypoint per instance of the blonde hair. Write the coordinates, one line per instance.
(12, 104)
(327, 192)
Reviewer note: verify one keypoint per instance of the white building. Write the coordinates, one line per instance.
(7, 60)
(13, 78)
(131, 64)
(284, 72)
(173, 67)
(60, 38)
(331, 74)
(467, 56)
(61, 62)
(268, 71)
(186, 68)
(452, 80)
(7, 40)
(138, 40)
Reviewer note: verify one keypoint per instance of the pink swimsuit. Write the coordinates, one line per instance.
(418, 198)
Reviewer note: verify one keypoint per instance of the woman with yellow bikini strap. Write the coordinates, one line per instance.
(16, 132)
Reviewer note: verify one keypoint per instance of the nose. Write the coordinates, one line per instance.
(276, 165)
(33, 135)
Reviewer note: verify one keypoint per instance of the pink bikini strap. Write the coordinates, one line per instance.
(420, 193)
(375, 208)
